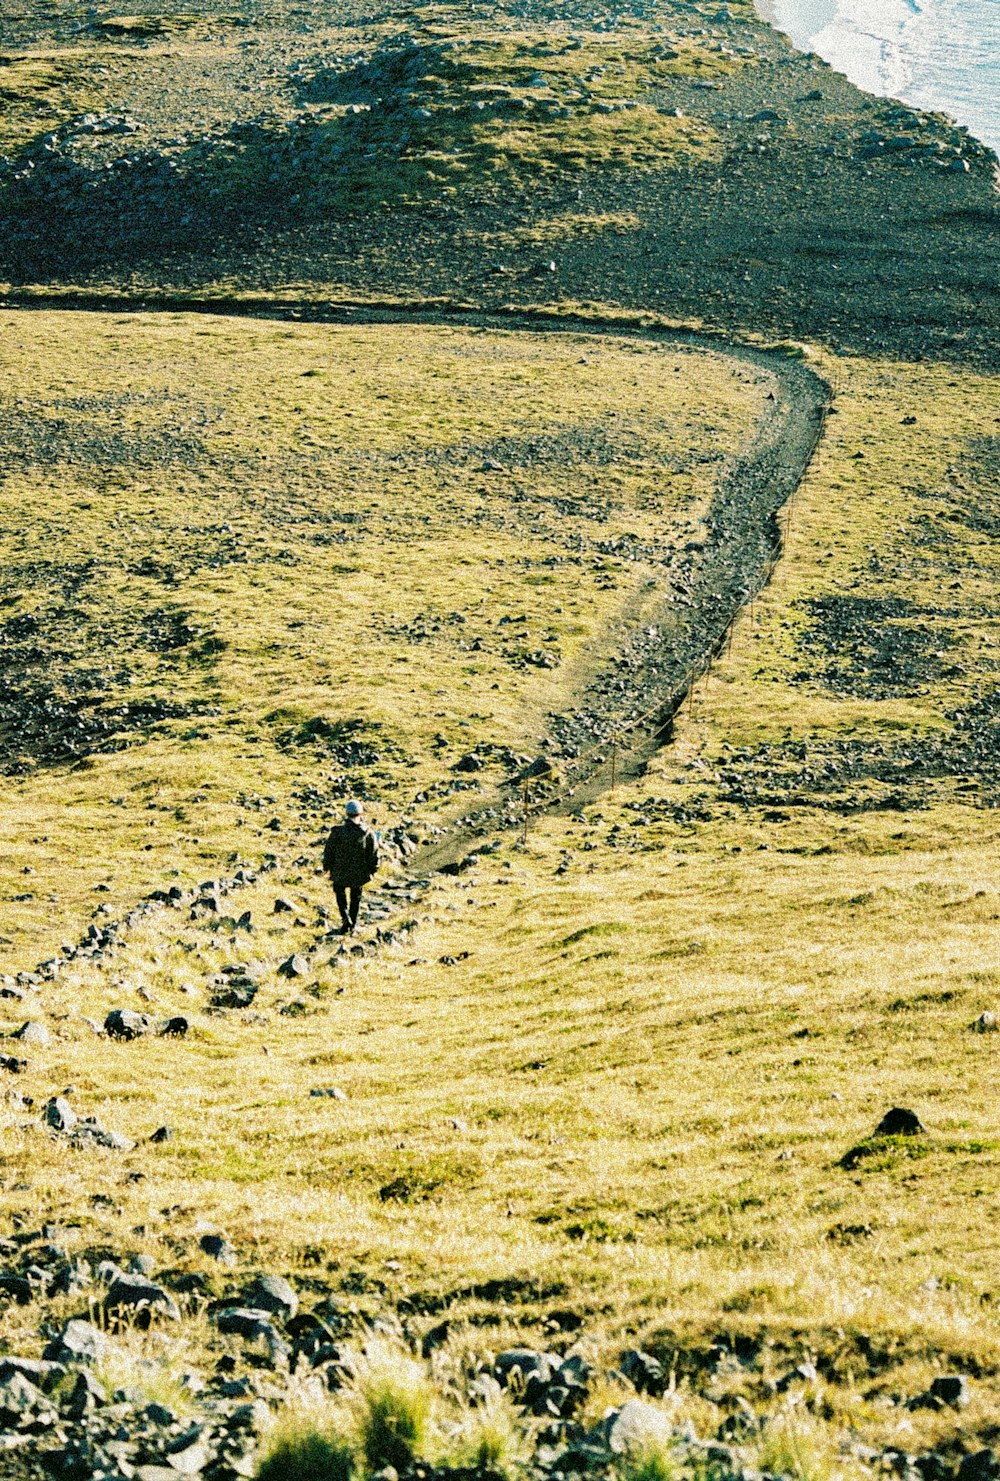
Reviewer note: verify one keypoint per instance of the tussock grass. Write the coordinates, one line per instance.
(490, 1438)
(391, 1402)
(307, 1441)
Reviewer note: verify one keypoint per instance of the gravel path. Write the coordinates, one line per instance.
(623, 712)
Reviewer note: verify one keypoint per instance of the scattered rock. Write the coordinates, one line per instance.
(60, 1115)
(218, 1248)
(272, 1293)
(644, 1372)
(294, 966)
(19, 1399)
(136, 1293)
(40, 1372)
(638, 1426)
(238, 996)
(89, 1131)
(981, 1465)
(78, 1342)
(122, 1023)
(948, 1390)
(899, 1122)
(174, 1028)
(86, 1394)
(35, 1033)
(515, 1365)
(986, 1023)
(18, 1287)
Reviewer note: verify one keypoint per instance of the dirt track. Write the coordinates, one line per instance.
(624, 710)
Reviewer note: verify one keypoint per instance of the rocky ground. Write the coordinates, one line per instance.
(417, 158)
(682, 162)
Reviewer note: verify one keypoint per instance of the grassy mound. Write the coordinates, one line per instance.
(684, 160)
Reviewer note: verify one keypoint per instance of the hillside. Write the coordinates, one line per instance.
(578, 436)
(677, 157)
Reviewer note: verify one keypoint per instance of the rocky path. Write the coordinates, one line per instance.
(624, 710)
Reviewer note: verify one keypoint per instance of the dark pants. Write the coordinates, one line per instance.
(348, 916)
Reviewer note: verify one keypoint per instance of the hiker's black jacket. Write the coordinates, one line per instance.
(351, 854)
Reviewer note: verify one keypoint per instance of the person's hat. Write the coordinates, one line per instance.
(354, 809)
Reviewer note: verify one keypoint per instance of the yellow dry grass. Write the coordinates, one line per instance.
(629, 1102)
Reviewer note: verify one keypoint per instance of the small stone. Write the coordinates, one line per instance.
(78, 1342)
(60, 1115)
(643, 1371)
(951, 1389)
(253, 1325)
(19, 1397)
(18, 1287)
(981, 1465)
(636, 1426)
(163, 1134)
(273, 1293)
(35, 1033)
(986, 1023)
(122, 1023)
(240, 996)
(159, 1414)
(174, 1028)
(244, 1321)
(37, 1370)
(87, 1394)
(283, 906)
(294, 966)
(217, 1247)
(189, 1459)
(137, 1293)
(515, 1365)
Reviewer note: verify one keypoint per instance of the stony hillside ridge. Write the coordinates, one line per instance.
(677, 157)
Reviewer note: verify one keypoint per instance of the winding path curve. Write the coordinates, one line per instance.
(718, 576)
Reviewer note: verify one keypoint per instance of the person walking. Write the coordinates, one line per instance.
(350, 858)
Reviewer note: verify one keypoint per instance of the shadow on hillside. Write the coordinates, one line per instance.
(428, 171)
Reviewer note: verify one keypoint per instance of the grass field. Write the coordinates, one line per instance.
(239, 557)
(622, 1115)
